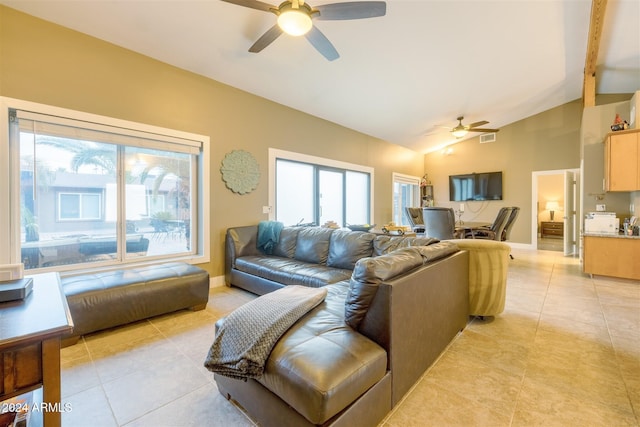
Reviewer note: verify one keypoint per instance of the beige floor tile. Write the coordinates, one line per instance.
(121, 339)
(477, 381)
(204, 406)
(77, 376)
(183, 321)
(494, 352)
(565, 352)
(524, 300)
(431, 404)
(622, 320)
(509, 327)
(557, 313)
(88, 408)
(541, 404)
(162, 385)
(144, 355)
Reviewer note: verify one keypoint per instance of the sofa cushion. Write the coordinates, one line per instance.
(346, 247)
(437, 250)
(385, 244)
(291, 271)
(312, 244)
(369, 273)
(321, 365)
(286, 245)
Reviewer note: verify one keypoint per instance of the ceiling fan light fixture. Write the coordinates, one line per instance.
(294, 22)
(459, 133)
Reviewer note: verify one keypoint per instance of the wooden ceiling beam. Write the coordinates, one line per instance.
(598, 8)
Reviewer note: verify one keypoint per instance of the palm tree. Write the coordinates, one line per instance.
(85, 153)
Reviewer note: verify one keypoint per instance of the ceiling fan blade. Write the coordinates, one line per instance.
(322, 44)
(351, 10)
(476, 124)
(266, 39)
(483, 130)
(253, 4)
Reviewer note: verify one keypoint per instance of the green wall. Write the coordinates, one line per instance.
(46, 63)
(546, 141)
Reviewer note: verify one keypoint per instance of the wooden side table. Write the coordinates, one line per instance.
(30, 332)
(552, 229)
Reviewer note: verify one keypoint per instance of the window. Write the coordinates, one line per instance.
(78, 206)
(86, 189)
(406, 193)
(313, 190)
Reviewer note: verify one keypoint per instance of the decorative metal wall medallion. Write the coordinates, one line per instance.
(240, 172)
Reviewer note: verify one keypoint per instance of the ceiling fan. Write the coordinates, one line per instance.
(461, 130)
(295, 18)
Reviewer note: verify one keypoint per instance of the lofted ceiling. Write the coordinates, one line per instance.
(400, 77)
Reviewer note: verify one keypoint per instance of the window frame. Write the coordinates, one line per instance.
(403, 179)
(319, 162)
(81, 197)
(10, 182)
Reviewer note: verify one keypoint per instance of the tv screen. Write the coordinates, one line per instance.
(475, 186)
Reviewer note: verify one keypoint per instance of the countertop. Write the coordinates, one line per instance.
(613, 236)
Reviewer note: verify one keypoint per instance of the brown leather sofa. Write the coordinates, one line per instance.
(385, 320)
(116, 297)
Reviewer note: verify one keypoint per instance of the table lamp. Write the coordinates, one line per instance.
(551, 207)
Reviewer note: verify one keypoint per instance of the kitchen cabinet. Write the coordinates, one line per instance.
(622, 161)
(612, 256)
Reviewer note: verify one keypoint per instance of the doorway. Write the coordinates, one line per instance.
(554, 207)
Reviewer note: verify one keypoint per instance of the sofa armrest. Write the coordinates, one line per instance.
(239, 241)
(415, 316)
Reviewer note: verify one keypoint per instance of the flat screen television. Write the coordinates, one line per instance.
(475, 186)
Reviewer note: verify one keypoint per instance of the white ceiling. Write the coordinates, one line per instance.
(400, 76)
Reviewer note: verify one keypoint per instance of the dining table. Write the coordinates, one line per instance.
(462, 227)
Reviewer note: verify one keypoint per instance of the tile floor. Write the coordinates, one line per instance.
(565, 352)
(550, 244)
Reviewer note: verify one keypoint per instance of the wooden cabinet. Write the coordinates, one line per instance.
(622, 161)
(611, 256)
(552, 229)
(30, 345)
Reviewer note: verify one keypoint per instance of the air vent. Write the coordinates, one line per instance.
(487, 137)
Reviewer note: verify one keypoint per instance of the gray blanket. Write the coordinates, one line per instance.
(246, 337)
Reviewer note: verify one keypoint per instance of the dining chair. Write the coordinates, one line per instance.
(414, 216)
(494, 231)
(515, 210)
(439, 222)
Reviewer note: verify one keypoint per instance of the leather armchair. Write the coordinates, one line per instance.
(414, 215)
(439, 222)
(494, 231)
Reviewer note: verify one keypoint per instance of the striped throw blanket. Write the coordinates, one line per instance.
(246, 337)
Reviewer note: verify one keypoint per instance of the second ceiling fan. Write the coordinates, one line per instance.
(295, 18)
(461, 130)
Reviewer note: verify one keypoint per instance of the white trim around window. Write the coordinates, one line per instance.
(275, 154)
(9, 182)
(396, 199)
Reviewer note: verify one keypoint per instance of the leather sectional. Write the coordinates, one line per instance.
(393, 305)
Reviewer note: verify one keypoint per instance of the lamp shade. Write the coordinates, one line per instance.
(552, 206)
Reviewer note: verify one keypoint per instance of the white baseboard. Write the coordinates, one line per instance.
(217, 281)
(529, 246)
